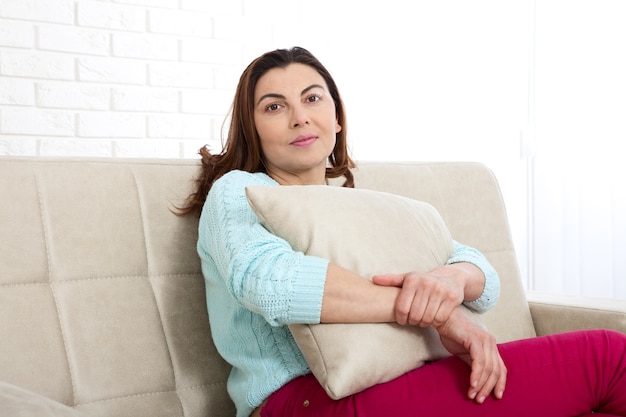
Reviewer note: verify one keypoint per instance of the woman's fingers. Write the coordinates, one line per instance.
(488, 371)
(424, 300)
(465, 337)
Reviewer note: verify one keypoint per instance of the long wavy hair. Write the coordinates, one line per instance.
(242, 148)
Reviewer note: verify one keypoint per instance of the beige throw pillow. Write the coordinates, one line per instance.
(370, 233)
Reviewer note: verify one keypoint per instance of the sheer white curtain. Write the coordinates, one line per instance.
(578, 220)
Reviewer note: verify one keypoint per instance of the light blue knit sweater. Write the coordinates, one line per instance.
(256, 285)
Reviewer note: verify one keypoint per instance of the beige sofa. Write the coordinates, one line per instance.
(102, 301)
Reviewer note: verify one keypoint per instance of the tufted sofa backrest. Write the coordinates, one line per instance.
(101, 293)
(102, 302)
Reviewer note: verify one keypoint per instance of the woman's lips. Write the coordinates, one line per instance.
(304, 140)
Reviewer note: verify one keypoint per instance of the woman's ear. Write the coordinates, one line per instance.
(337, 127)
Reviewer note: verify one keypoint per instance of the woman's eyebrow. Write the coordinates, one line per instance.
(269, 95)
(311, 87)
(280, 96)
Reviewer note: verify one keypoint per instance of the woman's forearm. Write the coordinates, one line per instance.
(350, 298)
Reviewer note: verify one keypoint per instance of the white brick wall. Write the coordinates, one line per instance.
(127, 78)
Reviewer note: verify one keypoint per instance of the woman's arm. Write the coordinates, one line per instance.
(259, 270)
(425, 299)
(350, 298)
(428, 299)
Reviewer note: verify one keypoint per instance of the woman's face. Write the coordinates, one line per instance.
(296, 121)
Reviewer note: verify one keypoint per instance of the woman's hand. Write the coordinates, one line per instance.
(426, 299)
(465, 337)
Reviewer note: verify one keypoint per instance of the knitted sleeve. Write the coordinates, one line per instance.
(261, 271)
(491, 291)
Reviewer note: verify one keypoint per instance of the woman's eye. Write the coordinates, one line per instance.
(273, 107)
(313, 99)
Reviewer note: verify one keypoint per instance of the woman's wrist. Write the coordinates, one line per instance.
(471, 278)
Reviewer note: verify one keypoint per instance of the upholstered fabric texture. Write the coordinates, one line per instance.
(368, 232)
(101, 293)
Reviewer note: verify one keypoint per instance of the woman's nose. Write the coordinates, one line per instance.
(299, 117)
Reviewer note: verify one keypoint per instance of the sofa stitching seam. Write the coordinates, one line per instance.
(43, 227)
(80, 280)
(148, 394)
(51, 286)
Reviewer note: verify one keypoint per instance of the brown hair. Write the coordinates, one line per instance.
(242, 149)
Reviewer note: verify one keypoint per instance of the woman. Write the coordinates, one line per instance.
(288, 128)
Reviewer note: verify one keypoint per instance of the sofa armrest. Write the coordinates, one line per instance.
(555, 313)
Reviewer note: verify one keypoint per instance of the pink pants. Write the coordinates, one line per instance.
(566, 375)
